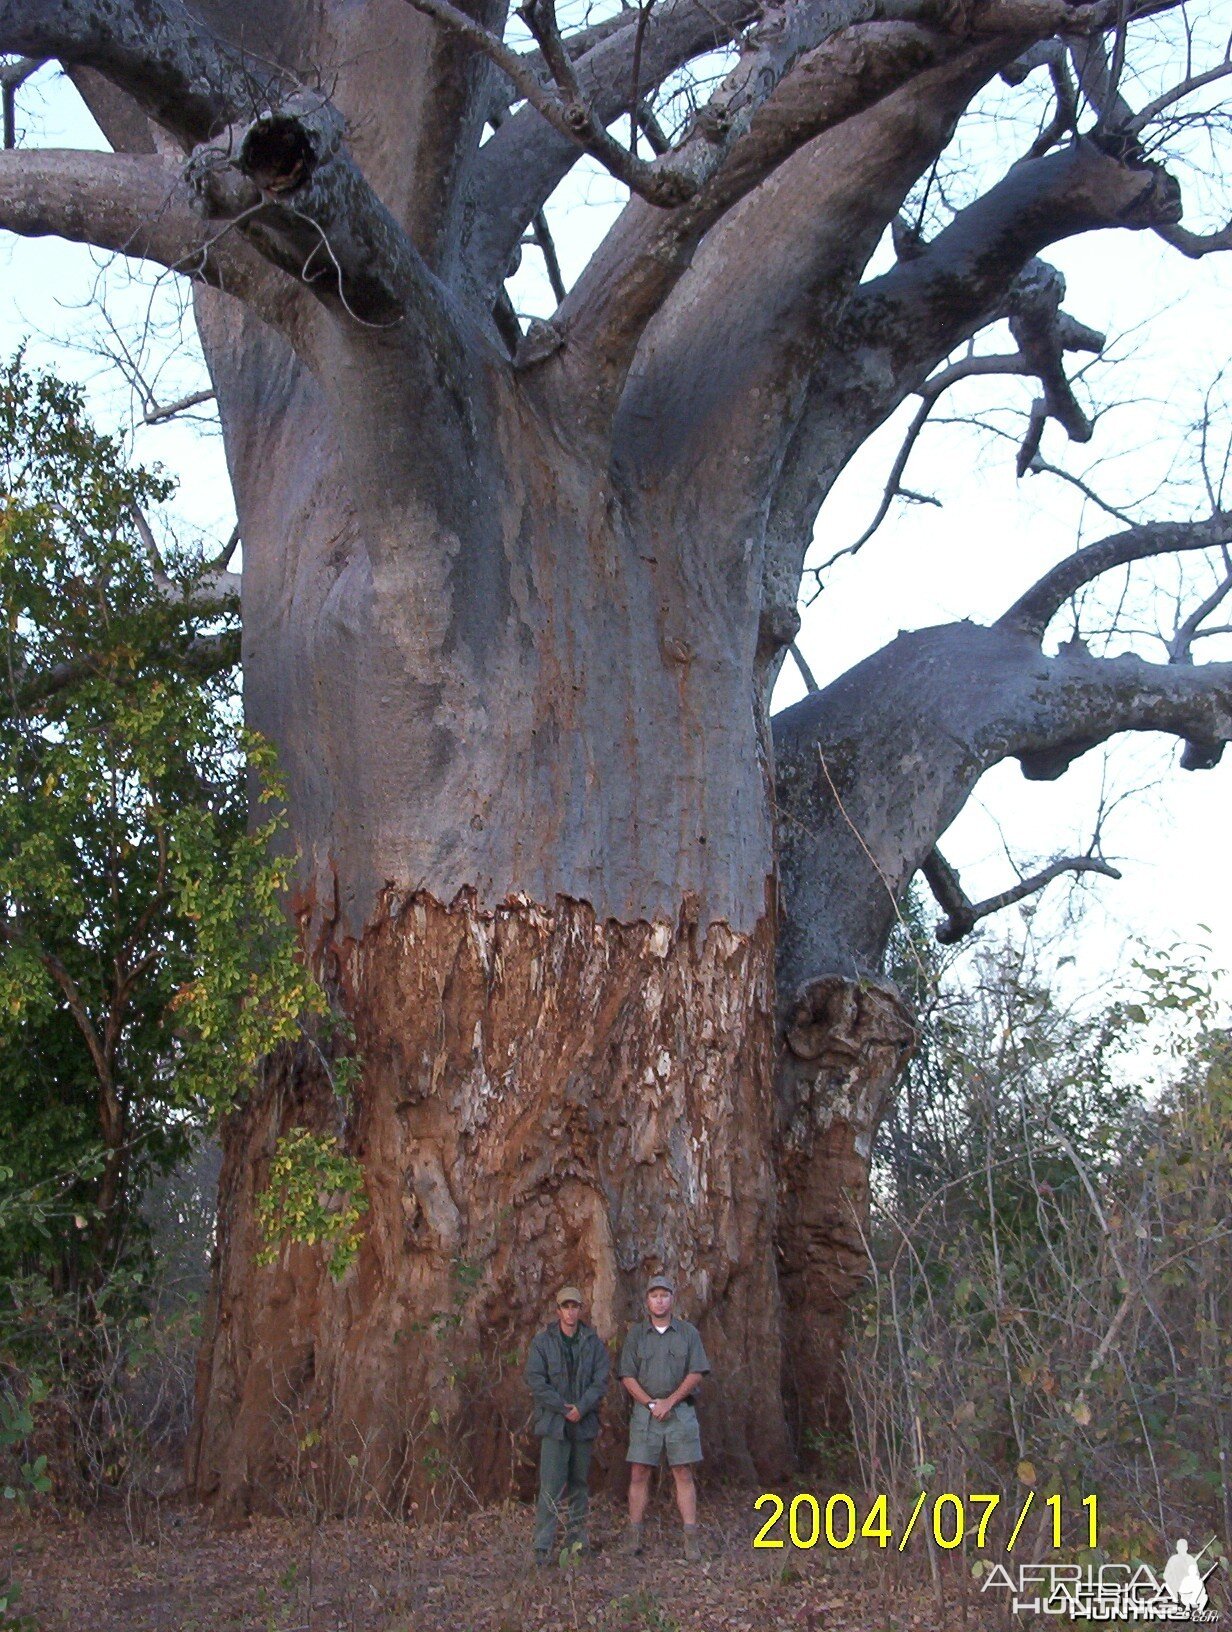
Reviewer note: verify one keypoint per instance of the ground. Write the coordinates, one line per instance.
(166, 1569)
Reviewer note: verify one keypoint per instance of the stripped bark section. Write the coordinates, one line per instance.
(845, 1043)
(546, 1097)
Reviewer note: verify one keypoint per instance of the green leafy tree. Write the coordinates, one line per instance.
(145, 962)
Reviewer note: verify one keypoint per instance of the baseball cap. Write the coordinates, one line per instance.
(568, 1294)
(661, 1280)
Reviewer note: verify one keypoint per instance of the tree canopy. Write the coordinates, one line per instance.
(144, 963)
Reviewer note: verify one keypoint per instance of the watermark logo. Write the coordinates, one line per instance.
(1110, 1592)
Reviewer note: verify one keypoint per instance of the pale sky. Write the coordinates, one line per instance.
(1170, 327)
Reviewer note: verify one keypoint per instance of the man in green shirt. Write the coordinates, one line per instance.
(566, 1372)
(661, 1364)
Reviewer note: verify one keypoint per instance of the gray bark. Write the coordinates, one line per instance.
(873, 769)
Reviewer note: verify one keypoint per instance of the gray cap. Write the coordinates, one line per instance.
(568, 1294)
(661, 1280)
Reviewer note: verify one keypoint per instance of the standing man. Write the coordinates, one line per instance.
(661, 1364)
(566, 1373)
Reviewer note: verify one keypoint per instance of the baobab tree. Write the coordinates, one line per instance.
(514, 600)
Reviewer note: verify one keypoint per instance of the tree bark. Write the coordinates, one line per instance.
(567, 1031)
(547, 1097)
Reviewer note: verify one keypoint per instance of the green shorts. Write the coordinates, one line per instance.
(679, 1436)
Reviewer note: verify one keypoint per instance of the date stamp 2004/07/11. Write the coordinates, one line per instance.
(805, 1520)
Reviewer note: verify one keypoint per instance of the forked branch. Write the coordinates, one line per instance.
(962, 914)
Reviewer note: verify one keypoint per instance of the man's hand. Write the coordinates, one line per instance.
(573, 1414)
(661, 1410)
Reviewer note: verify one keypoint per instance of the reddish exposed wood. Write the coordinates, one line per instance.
(846, 1042)
(545, 1098)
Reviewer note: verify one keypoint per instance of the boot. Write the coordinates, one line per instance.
(634, 1540)
(692, 1544)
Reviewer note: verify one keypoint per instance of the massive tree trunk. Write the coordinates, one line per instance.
(566, 1030)
(513, 605)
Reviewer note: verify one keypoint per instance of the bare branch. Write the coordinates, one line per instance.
(528, 157)
(12, 76)
(1064, 121)
(806, 673)
(157, 413)
(962, 914)
(1190, 629)
(543, 239)
(565, 106)
(1196, 244)
(222, 560)
(965, 369)
(1178, 93)
(1034, 611)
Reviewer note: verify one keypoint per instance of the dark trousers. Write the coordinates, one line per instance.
(564, 1466)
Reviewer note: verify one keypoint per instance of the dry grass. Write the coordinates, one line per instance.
(172, 1572)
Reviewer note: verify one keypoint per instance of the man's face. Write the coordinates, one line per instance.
(570, 1313)
(659, 1302)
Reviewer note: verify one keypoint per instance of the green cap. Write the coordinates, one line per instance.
(661, 1280)
(568, 1294)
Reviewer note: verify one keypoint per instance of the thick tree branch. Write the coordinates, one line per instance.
(181, 75)
(962, 279)
(962, 914)
(269, 155)
(1034, 611)
(872, 770)
(899, 327)
(135, 205)
(157, 413)
(861, 115)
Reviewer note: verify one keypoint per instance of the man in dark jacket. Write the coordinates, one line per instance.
(566, 1373)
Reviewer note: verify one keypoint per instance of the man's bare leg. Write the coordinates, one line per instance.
(639, 1490)
(686, 1494)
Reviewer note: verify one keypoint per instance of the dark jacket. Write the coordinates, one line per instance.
(547, 1377)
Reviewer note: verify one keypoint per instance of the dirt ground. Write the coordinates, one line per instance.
(167, 1569)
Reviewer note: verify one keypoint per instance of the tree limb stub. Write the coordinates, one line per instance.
(290, 184)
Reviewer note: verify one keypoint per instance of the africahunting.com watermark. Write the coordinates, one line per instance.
(1108, 1592)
